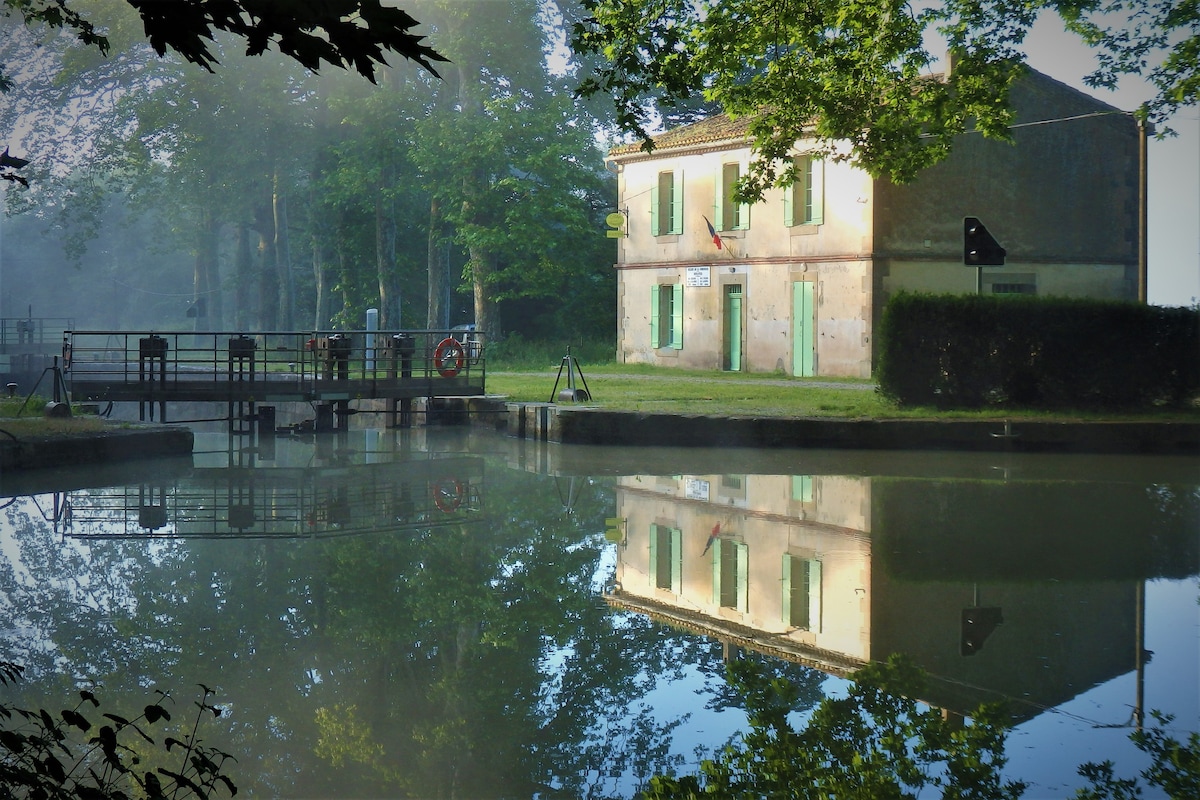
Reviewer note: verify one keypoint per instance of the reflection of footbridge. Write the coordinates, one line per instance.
(329, 369)
(281, 502)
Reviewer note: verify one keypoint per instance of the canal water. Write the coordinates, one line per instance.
(448, 613)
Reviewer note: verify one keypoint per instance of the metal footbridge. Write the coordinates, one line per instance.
(326, 368)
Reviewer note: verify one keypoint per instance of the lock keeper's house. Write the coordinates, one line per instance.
(799, 280)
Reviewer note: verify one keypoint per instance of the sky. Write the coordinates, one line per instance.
(1173, 167)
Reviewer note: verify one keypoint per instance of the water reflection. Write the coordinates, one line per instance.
(437, 614)
(1001, 589)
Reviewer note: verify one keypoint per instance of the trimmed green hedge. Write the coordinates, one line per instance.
(972, 351)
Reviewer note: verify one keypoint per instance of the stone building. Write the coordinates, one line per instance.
(800, 279)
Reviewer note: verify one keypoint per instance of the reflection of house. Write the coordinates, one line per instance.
(800, 279)
(791, 565)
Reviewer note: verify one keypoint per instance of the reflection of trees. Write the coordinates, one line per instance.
(724, 694)
(466, 661)
(874, 742)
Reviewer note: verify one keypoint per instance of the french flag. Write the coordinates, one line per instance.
(716, 237)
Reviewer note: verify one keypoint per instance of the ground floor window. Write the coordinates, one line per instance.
(666, 315)
(1013, 288)
(666, 558)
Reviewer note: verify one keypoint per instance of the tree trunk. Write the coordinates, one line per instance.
(384, 248)
(268, 273)
(206, 279)
(437, 259)
(243, 270)
(321, 314)
(283, 256)
(487, 314)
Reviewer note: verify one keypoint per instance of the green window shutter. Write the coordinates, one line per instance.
(719, 199)
(653, 571)
(789, 200)
(676, 561)
(677, 316)
(660, 200)
(743, 216)
(814, 595)
(786, 600)
(676, 202)
(716, 563)
(728, 215)
(743, 577)
(816, 184)
(654, 312)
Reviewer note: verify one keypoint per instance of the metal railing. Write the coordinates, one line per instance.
(304, 364)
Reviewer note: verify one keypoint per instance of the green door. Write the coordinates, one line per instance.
(733, 327)
(803, 325)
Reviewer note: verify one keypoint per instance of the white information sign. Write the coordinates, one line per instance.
(695, 489)
(697, 276)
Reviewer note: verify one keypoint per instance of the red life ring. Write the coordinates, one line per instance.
(448, 357)
(448, 495)
(66, 355)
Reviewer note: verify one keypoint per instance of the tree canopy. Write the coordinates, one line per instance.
(344, 33)
(860, 71)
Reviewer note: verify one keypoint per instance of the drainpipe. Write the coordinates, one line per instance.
(1143, 211)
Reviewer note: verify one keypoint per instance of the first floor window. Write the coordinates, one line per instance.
(666, 315)
(804, 200)
(733, 215)
(666, 205)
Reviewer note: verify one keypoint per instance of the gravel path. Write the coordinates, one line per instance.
(799, 384)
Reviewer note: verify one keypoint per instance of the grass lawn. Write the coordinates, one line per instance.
(643, 388)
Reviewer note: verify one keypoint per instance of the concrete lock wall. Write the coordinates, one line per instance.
(1062, 199)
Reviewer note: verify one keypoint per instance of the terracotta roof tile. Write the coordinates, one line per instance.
(717, 128)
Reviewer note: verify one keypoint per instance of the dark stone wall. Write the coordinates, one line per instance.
(1062, 192)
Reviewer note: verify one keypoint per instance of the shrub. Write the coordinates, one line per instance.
(970, 351)
(66, 755)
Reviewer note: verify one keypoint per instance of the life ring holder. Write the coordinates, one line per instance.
(448, 495)
(66, 356)
(449, 357)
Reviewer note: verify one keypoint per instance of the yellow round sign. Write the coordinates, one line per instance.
(615, 219)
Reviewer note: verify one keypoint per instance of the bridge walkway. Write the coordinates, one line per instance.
(272, 367)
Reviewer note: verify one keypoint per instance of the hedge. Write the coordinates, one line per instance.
(973, 351)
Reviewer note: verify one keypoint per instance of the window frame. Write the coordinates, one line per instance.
(731, 560)
(730, 215)
(666, 316)
(666, 204)
(804, 200)
(674, 540)
(802, 592)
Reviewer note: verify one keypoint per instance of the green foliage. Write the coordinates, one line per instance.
(1174, 768)
(515, 352)
(347, 35)
(876, 742)
(857, 72)
(970, 351)
(43, 755)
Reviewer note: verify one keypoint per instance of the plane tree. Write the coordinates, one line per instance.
(855, 75)
(351, 34)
